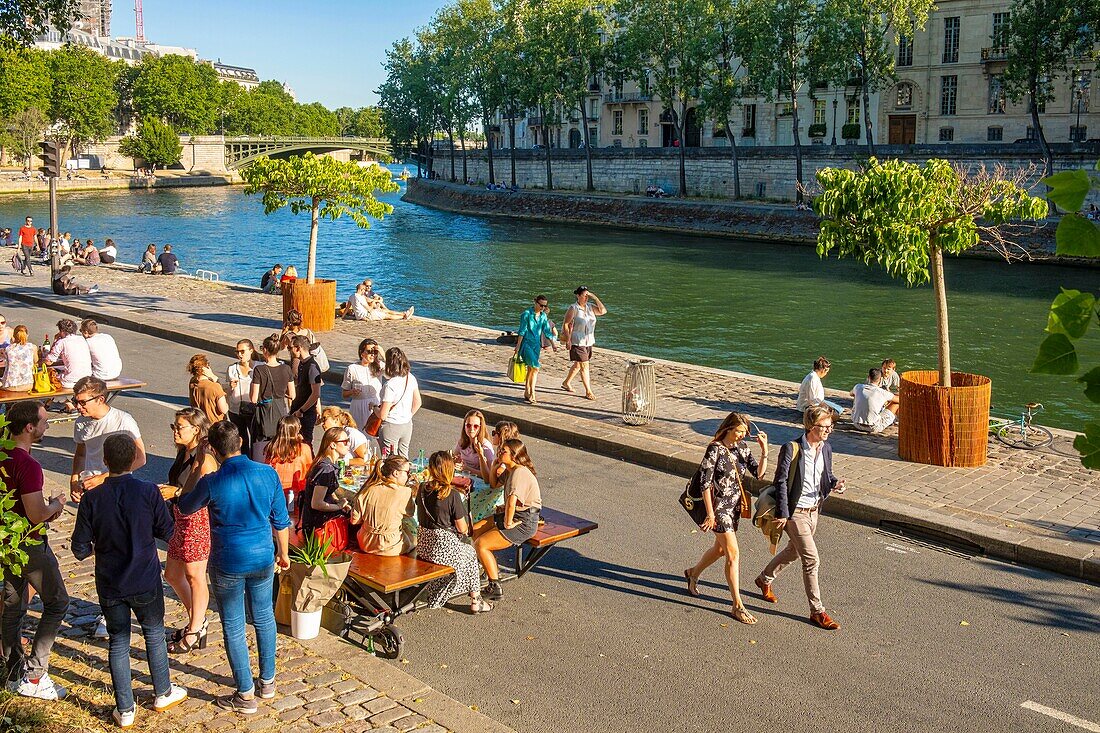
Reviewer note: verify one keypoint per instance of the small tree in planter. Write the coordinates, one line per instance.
(328, 188)
(905, 217)
(316, 573)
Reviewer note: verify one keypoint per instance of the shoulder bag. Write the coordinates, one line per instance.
(42, 381)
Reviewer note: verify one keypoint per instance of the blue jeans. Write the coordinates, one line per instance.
(230, 590)
(149, 609)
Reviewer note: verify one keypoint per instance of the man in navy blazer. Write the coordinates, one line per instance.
(803, 480)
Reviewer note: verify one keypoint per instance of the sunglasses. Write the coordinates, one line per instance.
(824, 428)
(84, 403)
(179, 428)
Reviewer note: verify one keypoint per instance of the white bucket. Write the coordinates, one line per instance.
(305, 625)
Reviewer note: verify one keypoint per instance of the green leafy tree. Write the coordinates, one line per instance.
(23, 20)
(156, 143)
(1073, 311)
(368, 122)
(24, 80)
(15, 529)
(671, 38)
(408, 101)
(179, 90)
(906, 217)
(25, 128)
(582, 27)
(345, 118)
(1043, 36)
(83, 97)
(323, 186)
(727, 81)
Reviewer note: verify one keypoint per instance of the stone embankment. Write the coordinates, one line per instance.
(95, 182)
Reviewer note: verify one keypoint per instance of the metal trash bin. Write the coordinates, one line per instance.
(640, 393)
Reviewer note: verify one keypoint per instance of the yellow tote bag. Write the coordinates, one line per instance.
(517, 370)
(42, 382)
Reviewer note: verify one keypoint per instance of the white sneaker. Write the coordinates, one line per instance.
(101, 628)
(93, 289)
(124, 720)
(170, 699)
(44, 689)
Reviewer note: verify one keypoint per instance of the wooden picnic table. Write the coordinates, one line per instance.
(114, 386)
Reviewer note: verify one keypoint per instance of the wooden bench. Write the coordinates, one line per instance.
(114, 386)
(557, 526)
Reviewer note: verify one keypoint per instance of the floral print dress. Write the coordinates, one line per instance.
(720, 470)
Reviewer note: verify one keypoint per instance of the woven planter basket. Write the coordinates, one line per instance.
(317, 302)
(944, 426)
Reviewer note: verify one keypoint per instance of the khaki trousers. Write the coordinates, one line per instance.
(800, 528)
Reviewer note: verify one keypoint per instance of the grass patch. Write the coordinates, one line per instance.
(20, 715)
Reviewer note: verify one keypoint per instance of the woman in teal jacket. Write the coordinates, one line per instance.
(534, 324)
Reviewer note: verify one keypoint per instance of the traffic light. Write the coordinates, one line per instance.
(51, 158)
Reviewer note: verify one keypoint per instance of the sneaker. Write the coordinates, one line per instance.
(170, 699)
(101, 628)
(237, 704)
(267, 689)
(44, 689)
(124, 720)
(93, 289)
(494, 591)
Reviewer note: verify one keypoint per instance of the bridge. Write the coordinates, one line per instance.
(240, 151)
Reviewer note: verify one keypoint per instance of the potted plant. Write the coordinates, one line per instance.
(850, 131)
(316, 573)
(328, 188)
(818, 130)
(905, 217)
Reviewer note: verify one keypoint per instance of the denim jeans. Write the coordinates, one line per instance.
(149, 609)
(42, 572)
(231, 590)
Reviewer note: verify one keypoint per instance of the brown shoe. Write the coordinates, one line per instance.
(766, 591)
(822, 620)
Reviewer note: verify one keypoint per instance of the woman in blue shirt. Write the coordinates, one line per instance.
(534, 325)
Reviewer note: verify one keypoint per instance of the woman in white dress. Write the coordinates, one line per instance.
(363, 381)
(239, 376)
(579, 333)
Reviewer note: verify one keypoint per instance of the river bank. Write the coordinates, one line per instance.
(95, 182)
(764, 222)
(1038, 508)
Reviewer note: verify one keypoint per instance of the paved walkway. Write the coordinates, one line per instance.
(1039, 507)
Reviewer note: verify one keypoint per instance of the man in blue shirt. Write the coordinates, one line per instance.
(120, 522)
(246, 502)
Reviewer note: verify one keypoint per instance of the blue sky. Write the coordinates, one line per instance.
(330, 51)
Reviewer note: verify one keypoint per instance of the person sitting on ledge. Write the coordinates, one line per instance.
(149, 260)
(65, 284)
(269, 283)
(109, 253)
(890, 378)
(167, 261)
(875, 408)
(812, 392)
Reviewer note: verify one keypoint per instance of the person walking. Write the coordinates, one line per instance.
(204, 391)
(106, 361)
(239, 377)
(271, 391)
(579, 334)
(803, 481)
(721, 480)
(29, 676)
(189, 548)
(120, 523)
(534, 325)
(247, 510)
(27, 238)
(306, 405)
(400, 400)
(363, 381)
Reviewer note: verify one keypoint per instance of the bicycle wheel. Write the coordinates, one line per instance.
(1028, 437)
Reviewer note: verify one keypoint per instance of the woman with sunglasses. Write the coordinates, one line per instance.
(579, 334)
(382, 506)
(239, 376)
(474, 452)
(363, 381)
(189, 548)
(723, 479)
(534, 325)
(519, 519)
(320, 503)
(484, 501)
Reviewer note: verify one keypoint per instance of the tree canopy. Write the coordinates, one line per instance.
(155, 142)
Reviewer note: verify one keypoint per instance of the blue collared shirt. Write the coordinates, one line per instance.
(246, 502)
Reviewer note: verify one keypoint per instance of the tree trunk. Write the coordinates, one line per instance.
(587, 145)
(512, 137)
(462, 140)
(546, 139)
(1048, 154)
(311, 266)
(867, 117)
(679, 124)
(419, 155)
(488, 146)
(797, 146)
(736, 162)
(940, 290)
(451, 138)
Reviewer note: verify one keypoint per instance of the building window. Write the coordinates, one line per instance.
(1000, 31)
(853, 112)
(1077, 133)
(593, 137)
(785, 109)
(905, 51)
(617, 122)
(904, 99)
(949, 93)
(1030, 135)
(819, 111)
(750, 118)
(617, 88)
(643, 122)
(947, 134)
(994, 134)
(951, 40)
(996, 95)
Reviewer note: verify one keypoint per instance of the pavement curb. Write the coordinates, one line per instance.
(1073, 558)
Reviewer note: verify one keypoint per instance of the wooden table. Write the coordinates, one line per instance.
(114, 386)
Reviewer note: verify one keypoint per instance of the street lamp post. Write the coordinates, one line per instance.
(1079, 93)
(836, 103)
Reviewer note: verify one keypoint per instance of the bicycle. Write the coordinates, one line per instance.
(1022, 433)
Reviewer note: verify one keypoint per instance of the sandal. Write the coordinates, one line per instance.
(189, 640)
(740, 613)
(567, 387)
(692, 589)
(590, 396)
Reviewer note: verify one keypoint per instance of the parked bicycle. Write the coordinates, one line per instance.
(1022, 433)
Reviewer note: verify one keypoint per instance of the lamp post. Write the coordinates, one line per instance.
(836, 104)
(1079, 94)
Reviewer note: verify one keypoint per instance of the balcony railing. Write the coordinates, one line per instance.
(627, 98)
(994, 53)
(534, 122)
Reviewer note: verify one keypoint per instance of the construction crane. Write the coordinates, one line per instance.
(140, 22)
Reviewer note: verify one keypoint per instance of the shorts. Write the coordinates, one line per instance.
(580, 353)
(528, 525)
(878, 422)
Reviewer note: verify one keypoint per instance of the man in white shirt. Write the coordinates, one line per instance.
(812, 392)
(96, 423)
(70, 352)
(875, 408)
(106, 361)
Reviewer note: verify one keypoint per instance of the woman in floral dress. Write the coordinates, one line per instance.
(21, 357)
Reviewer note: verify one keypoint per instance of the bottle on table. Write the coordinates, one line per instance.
(46, 343)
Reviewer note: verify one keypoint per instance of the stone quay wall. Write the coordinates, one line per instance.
(766, 172)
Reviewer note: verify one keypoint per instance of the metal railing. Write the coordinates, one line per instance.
(208, 275)
(994, 53)
(627, 98)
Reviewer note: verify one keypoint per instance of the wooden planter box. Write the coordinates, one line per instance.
(944, 426)
(317, 302)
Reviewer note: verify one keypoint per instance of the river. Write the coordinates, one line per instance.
(766, 309)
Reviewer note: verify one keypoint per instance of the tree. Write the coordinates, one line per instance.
(408, 101)
(24, 81)
(582, 27)
(368, 122)
(905, 217)
(1042, 37)
(727, 82)
(25, 129)
(156, 143)
(323, 186)
(21, 21)
(83, 97)
(1073, 311)
(179, 90)
(671, 38)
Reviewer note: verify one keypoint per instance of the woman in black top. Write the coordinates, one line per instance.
(320, 502)
(723, 478)
(444, 522)
(272, 390)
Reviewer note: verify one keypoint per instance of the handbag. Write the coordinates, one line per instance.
(374, 424)
(42, 382)
(517, 369)
(336, 530)
(318, 353)
(693, 502)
